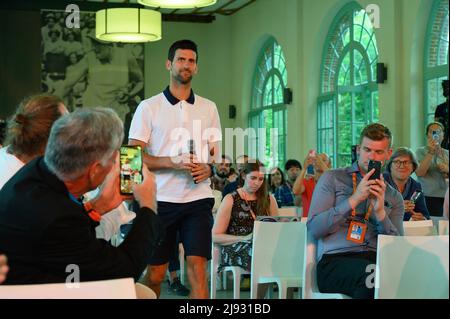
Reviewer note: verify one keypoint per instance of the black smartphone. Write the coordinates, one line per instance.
(377, 166)
(310, 170)
(130, 167)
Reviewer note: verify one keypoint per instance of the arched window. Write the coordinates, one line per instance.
(348, 90)
(268, 112)
(436, 57)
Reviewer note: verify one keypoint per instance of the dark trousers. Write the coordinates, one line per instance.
(346, 273)
(435, 205)
(174, 263)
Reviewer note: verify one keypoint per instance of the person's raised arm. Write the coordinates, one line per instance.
(273, 206)
(182, 162)
(426, 159)
(299, 188)
(325, 214)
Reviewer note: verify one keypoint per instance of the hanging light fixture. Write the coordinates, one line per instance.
(128, 25)
(177, 4)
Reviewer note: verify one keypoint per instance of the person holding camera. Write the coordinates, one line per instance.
(441, 113)
(44, 224)
(313, 167)
(350, 207)
(433, 168)
(398, 174)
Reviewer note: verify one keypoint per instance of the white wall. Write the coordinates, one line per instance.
(230, 46)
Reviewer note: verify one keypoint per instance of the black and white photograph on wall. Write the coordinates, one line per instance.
(87, 72)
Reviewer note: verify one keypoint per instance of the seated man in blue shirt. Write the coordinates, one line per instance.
(398, 174)
(347, 213)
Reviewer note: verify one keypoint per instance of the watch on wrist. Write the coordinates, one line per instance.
(92, 213)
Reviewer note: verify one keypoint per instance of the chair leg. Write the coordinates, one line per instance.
(282, 291)
(236, 284)
(213, 282)
(224, 280)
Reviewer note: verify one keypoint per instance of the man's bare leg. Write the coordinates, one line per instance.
(196, 272)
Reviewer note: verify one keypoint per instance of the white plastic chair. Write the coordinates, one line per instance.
(291, 211)
(412, 267)
(105, 289)
(277, 256)
(419, 228)
(310, 289)
(436, 220)
(443, 227)
(236, 270)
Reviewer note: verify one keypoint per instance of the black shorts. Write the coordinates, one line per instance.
(194, 223)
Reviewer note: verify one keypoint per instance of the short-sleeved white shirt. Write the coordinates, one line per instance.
(166, 124)
(9, 165)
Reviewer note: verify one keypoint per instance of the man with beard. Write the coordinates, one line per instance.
(222, 171)
(164, 126)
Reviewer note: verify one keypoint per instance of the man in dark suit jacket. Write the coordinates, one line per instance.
(47, 231)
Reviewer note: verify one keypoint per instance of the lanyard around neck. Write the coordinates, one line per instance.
(369, 209)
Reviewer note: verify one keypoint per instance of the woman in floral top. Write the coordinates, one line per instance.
(233, 225)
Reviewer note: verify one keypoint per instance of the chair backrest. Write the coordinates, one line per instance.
(289, 211)
(443, 227)
(309, 268)
(412, 267)
(278, 249)
(419, 228)
(105, 289)
(310, 289)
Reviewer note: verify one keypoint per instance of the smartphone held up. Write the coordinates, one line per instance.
(130, 167)
(377, 166)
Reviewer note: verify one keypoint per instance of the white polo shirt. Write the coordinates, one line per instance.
(166, 125)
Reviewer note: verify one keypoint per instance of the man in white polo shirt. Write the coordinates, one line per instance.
(173, 126)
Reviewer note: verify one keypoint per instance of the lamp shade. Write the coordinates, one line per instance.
(177, 4)
(128, 25)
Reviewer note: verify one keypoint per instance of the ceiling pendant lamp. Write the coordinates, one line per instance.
(177, 4)
(130, 25)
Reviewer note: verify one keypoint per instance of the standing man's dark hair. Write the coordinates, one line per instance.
(182, 45)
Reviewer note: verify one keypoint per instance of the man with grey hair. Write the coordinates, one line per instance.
(45, 228)
(398, 172)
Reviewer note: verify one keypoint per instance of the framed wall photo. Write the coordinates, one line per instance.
(87, 72)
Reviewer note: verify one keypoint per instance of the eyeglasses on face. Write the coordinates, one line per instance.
(399, 164)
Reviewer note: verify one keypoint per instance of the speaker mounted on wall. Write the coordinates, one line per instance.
(382, 73)
(232, 111)
(287, 96)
